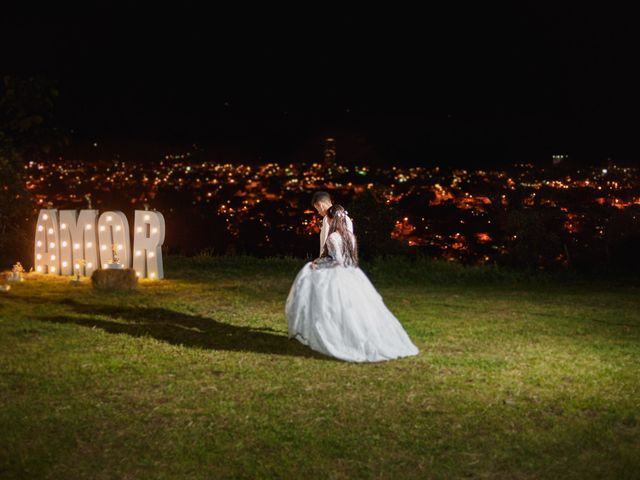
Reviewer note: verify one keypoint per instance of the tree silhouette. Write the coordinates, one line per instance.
(26, 133)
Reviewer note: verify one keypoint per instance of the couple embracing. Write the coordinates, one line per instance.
(332, 306)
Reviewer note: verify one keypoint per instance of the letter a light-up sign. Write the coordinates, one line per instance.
(47, 248)
(61, 243)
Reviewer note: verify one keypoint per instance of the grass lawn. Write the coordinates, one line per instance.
(194, 377)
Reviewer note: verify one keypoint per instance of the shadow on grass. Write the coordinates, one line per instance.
(182, 329)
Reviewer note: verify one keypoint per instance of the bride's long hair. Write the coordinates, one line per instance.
(338, 217)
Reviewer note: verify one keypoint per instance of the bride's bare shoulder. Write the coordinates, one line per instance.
(335, 236)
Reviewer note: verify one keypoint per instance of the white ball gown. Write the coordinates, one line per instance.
(335, 310)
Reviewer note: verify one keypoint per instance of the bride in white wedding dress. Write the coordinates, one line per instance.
(334, 309)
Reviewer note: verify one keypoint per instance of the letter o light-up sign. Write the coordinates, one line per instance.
(113, 230)
(60, 245)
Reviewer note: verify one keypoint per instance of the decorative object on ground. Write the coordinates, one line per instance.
(62, 237)
(5, 288)
(115, 261)
(114, 279)
(16, 273)
(79, 264)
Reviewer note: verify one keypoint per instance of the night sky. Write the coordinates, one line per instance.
(393, 85)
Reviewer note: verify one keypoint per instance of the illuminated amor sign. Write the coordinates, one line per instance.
(68, 241)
